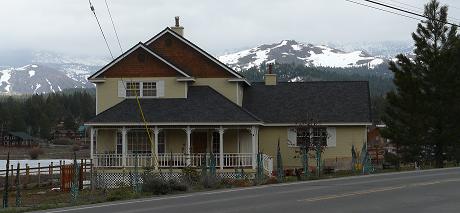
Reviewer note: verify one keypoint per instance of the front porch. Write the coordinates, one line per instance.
(176, 147)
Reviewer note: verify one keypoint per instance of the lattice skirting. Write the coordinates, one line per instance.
(128, 179)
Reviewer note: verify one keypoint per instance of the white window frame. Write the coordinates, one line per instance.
(292, 137)
(141, 89)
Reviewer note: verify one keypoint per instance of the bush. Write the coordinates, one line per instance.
(175, 185)
(156, 185)
(35, 152)
(120, 194)
(209, 181)
(190, 175)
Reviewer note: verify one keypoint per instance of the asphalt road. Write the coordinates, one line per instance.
(420, 191)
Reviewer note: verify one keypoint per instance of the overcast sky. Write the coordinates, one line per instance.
(68, 26)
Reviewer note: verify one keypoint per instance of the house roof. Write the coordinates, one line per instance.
(142, 46)
(201, 51)
(203, 105)
(326, 101)
(21, 135)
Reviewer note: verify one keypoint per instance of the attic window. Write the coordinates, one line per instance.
(141, 89)
(141, 57)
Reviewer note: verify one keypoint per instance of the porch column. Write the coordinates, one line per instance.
(188, 131)
(156, 131)
(124, 146)
(254, 143)
(221, 147)
(92, 130)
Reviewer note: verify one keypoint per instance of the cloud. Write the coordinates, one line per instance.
(68, 25)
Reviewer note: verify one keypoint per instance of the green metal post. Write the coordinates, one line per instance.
(5, 193)
(279, 165)
(74, 188)
(18, 188)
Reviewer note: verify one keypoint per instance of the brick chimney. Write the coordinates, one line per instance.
(270, 78)
(177, 28)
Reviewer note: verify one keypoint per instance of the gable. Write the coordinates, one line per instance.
(140, 64)
(139, 61)
(185, 56)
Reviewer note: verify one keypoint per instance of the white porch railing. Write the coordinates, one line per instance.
(231, 160)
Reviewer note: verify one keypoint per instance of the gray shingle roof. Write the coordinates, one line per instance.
(327, 101)
(203, 104)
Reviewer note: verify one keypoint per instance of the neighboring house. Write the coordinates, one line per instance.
(193, 104)
(17, 139)
(378, 145)
(60, 132)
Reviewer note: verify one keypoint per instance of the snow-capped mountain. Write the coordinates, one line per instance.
(48, 72)
(290, 51)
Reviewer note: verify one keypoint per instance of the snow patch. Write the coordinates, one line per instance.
(5, 79)
(31, 73)
(37, 86)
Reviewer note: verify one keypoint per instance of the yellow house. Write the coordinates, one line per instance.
(166, 103)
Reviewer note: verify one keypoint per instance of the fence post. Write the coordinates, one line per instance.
(27, 173)
(51, 168)
(38, 175)
(12, 175)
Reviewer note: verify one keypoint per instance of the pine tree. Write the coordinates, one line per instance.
(419, 111)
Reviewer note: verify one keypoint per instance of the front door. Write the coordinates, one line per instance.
(199, 142)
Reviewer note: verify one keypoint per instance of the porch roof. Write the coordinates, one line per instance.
(203, 105)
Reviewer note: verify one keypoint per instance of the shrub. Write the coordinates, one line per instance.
(155, 185)
(177, 186)
(209, 181)
(190, 175)
(120, 194)
(35, 152)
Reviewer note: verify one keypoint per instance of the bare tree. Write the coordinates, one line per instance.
(310, 137)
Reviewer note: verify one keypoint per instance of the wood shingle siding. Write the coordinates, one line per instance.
(187, 58)
(140, 64)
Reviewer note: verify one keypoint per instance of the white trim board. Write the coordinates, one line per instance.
(168, 30)
(139, 45)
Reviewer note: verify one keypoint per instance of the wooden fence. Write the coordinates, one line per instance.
(49, 176)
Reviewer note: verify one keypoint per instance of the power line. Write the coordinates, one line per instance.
(410, 12)
(399, 14)
(419, 9)
(113, 25)
(103, 35)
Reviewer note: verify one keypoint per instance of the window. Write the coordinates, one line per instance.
(215, 142)
(297, 137)
(133, 89)
(141, 89)
(138, 142)
(149, 89)
(119, 149)
(161, 142)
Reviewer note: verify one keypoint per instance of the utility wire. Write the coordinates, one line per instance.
(418, 9)
(113, 25)
(103, 35)
(410, 12)
(399, 14)
(141, 112)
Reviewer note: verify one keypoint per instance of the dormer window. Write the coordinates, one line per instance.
(149, 89)
(141, 89)
(133, 89)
